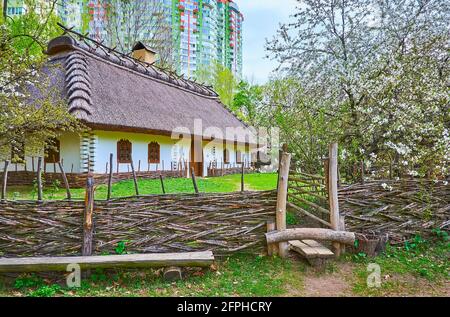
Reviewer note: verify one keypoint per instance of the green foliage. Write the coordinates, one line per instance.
(121, 247)
(247, 102)
(25, 119)
(222, 80)
(28, 281)
(45, 291)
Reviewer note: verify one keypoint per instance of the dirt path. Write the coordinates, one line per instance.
(340, 279)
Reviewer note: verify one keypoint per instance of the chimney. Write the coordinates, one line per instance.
(143, 53)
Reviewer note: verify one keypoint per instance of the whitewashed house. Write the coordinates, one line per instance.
(132, 109)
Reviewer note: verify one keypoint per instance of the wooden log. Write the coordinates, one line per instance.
(88, 227)
(272, 249)
(162, 183)
(172, 274)
(47, 264)
(311, 234)
(66, 183)
(333, 193)
(134, 178)
(194, 181)
(108, 197)
(5, 180)
(39, 178)
(282, 200)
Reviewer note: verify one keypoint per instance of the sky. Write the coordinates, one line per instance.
(262, 18)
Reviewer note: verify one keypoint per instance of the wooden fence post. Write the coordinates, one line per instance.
(282, 199)
(242, 178)
(5, 180)
(134, 178)
(333, 194)
(362, 172)
(88, 227)
(194, 181)
(66, 183)
(108, 197)
(162, 183)
(272, 249)
(39, 178)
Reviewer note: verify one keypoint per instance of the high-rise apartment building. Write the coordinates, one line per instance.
(203, 31)
(206, 31)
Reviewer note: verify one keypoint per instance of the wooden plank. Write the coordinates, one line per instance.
(47, 264)
(321, 250)
(303, 249)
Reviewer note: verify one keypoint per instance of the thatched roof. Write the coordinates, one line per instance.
(112, 91)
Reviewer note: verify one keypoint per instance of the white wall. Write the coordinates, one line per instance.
(107, 143)
(70, 154)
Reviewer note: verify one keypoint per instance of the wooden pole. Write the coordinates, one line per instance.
(333, 194)
(88, 227)
(326, 165)
(194, 181)
(32, 163)
(242, 178)
(162, 183)
(282, 199)
(5, 180)
(110, 176)
(39, 178)
(362, 172)
(134, 178)
(66, 183)
(272, 248)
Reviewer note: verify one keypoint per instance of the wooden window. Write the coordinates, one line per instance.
(124, 151)
(238, 157)
(17, 152)
(52, 151)
(226, 156)
(154, 153)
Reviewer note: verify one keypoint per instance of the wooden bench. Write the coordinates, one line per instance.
(47, 264)
(315, 253)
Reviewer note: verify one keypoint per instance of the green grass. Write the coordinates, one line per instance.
(421, 261)
(239, 275)
(225, 184)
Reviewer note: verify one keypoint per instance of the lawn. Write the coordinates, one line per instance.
(225, 184)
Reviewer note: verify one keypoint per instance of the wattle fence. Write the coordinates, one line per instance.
(223, 223)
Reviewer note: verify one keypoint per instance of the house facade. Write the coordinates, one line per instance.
(146, 118)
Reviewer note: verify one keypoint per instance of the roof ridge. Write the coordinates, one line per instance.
(109, 54)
